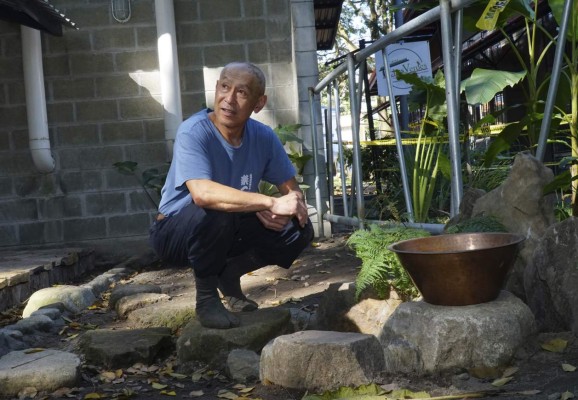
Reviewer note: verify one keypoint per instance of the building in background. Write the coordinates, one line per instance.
(105, 101)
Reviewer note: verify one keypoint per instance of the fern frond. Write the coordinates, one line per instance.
(380, 267)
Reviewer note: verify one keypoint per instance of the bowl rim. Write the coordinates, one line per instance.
(516, 239)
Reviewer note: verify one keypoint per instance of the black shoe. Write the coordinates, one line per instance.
(236, 304)
(211, 312)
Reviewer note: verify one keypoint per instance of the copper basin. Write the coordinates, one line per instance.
(458, 269)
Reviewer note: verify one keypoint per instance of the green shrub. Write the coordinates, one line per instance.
(380, 267)
(480, 223)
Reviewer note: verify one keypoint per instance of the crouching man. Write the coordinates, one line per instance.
(211, 216)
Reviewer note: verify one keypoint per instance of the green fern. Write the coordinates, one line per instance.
(480, 223)
(380, 267)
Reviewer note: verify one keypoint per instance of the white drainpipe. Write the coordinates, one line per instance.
(169, 70)
(36, 101)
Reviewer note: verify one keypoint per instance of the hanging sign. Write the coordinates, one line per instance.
(405, 57)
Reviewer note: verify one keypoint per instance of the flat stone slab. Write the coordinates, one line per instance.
(212, 346)
(321, 360)
(123, 348)
(423, 338)
(45, 370)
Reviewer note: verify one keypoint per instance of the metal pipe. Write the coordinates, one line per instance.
(39, 139)
(435, 229)
(355, 138)
(329, 144)
(316, 187)
(168, 70)
(398, 142)
(458, 39)
(554, 79)
(452, 105)
(340, 149)
(398, 34)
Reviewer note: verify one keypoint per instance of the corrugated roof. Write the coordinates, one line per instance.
(327, 13)
(37, 14)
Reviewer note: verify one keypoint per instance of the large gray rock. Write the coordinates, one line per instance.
(520, 205)
(423, 338)
(47, 370)
(321, 360)
(121, 291)
(212, 346)
(339, 311)
(170, 314)
(123, 348)
(552, 278)
(128, 304)
(243, 365)
(73, 298)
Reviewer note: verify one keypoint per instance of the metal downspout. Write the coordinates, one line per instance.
(555, 78)
(355, 138)
(39, 138)
(169, 70)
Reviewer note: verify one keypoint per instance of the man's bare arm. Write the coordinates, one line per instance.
(212, 195)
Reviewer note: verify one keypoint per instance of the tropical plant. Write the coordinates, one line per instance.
(380, 268)
(428, 156)
(479, 223)
(150, 179)
(292, 143)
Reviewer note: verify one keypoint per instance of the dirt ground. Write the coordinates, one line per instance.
(535, 373)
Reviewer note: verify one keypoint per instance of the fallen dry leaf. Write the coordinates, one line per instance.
(168, 393)
(529, 392)
(93, 395)
(196, 393)
(567, 395)
(28, 393)
(555, 345)
(501, 381)
(568, 367)
(177, 376)
(107, 376)
(34, 350)
(225, 394)
(509, 372)
(156, 385)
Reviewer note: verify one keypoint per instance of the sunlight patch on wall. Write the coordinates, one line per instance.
(149, 81)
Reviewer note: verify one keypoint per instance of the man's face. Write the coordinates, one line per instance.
(237, 96)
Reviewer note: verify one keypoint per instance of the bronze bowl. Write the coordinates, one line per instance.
(458, 269)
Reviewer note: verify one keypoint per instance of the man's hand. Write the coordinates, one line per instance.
(291, 205)
(273, 221)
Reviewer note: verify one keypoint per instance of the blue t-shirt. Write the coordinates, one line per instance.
(201, 152)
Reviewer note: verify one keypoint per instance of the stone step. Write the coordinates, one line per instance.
(23, 272)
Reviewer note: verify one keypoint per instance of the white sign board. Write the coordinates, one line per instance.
(405, 57)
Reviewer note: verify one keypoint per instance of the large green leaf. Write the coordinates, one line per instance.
(484, 84)
(560, 181)
(426, 91)
(557, 7)
(503, 142)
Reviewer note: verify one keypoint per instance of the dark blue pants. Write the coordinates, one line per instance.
(204, 239)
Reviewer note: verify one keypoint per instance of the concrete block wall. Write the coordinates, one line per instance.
(104, 105)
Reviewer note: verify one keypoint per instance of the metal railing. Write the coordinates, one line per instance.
(451, 52)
